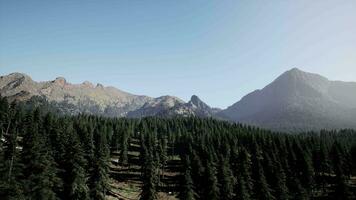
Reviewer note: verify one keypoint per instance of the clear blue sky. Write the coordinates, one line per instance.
(219, 50)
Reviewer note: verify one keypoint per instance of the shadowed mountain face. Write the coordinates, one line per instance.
(298, 100)
(295, 101)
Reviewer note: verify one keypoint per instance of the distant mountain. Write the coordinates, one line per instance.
(168, 106)
(72, 98)
(86, 98)
(295, 101)
(195, 107)
(298, 101)
(156, 107)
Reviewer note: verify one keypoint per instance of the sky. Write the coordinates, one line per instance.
(218, 50)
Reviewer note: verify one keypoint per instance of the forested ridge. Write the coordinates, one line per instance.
(48, 156)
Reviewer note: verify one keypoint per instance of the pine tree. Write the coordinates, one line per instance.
(261, 188)
(297, 190)
(75, 176)
(124, 149)
(337, 159)
(149, 177)
(163, 157)
(40, 172)
(244, 172)
(353, 158)
(303, 167)
(212, 189)
(281, 188)
(100, 167)
(321, 165)
(10, 167)
(342, 189)
(188, 186)
(227, 180)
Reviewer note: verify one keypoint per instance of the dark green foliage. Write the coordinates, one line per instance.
(227, 179)
(149, 169)
(75, 177)
(212, 189)
(50, 156)
(353, 158)
(188, 185)
(342, 189)
(99, 180)
(281, 189)
(40, 170)
(10, 165)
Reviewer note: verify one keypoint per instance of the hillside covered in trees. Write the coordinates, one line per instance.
(47, 156)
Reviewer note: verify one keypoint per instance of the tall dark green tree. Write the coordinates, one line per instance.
(149, 175)
(75, 177)
(40, 170)
(227, 180)
(261, 188)
(10, 167)
(188, 192)
(99, 178)
(212, 187)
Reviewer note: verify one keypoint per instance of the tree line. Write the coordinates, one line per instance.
(44, 155)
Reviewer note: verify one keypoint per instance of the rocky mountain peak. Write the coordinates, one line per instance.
(17, 76)
(99, 86)
(296, 74)
(87, 84)
(60, 81)
(197, 102)
(195, 99)
(297, 100)
(71, 98)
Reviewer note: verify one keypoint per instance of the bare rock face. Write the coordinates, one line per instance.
(169, 106)
(156, 106)
(60, 81)
(295, 101)
(17, 86)
(85, 98)
(298, 101)
(195, 107)
(98, 100)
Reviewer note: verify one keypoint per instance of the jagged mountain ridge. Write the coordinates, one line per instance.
(168, 106)
(299, 101)
(97, 100)
(295, 101)
(85, 97)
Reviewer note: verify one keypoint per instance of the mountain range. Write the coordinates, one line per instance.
(298, 101)
(295, 101)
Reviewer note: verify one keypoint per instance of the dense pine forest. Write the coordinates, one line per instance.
(44, 155)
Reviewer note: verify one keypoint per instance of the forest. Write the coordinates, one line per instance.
(44, 155)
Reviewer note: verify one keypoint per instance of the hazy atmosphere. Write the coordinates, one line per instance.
(178, 100)
(218, 51)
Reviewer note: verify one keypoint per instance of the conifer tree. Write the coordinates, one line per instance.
(75, 184)
(212, 189)
(281, 189)
(342, 189)
(227, 180)
(188, 186)
(149, 176)
(321, 165)
(100, 166)
(353, 158)
(261, 188)
(10, 166)
(40, 171)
